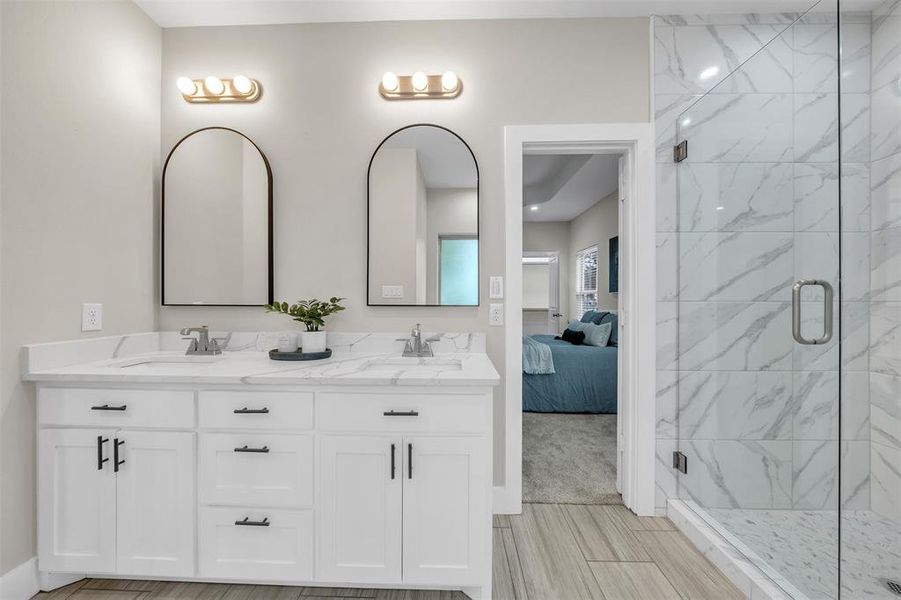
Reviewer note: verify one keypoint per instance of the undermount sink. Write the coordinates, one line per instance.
(414, 364)
(167, 361)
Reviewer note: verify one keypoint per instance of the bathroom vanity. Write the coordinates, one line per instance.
(366, 470)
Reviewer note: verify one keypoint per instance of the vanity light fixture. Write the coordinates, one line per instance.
(420, 86)
(212, 89)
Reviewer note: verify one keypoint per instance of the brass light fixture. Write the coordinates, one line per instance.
(211, 89)
(420, 86)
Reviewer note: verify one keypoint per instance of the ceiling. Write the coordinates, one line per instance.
(194, 13)
(563, 186)
(444, 159)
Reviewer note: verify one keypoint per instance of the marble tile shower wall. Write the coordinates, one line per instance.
(885, 275)
(756, 413)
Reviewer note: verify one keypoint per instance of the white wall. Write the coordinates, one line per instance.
(321, 117)
(396, 182)
(552, 237)
(595, 227)
(80, 163)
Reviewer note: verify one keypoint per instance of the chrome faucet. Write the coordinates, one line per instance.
(202, 344)
(417, 347)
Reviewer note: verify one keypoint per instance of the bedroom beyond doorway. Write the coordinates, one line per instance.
(570, 267)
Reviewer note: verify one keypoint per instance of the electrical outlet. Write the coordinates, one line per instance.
(392, 291)
(91, 317)
(496, 315)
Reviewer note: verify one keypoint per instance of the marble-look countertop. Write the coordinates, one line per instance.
(251, 366)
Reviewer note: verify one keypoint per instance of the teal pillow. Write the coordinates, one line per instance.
(597, 335)
(589, 316)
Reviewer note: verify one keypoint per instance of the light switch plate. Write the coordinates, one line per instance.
(392, 291)
(496, 315)
(91, 317)
(496, 287)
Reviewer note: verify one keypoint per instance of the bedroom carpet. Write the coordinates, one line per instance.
(569, 459)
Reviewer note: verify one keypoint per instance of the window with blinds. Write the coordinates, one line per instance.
(586, 280)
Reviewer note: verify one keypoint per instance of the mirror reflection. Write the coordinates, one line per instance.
(217, 202)
(423, 220)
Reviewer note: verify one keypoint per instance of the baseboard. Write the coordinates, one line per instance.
(21, 583)
(503, 503)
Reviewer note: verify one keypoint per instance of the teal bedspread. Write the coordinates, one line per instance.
(584, 379)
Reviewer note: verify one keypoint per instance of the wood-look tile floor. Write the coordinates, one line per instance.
(550, 552)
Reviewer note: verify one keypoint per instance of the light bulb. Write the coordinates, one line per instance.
(449, 81)
(214, 85)
(186, 86)
(420, 81)
(242, 84)
(390, 83)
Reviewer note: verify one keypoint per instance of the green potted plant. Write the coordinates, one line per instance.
(312, 313)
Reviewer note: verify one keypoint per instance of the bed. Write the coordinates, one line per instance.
(584, 381)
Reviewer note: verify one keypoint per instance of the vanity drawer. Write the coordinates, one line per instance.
(256, 469)
(279, 411)
(81, 407)
(446, 413)
(281, 550)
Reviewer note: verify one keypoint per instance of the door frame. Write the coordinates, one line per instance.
(553, 268)
(637, 319)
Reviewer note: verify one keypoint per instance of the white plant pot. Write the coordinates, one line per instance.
(312, 341)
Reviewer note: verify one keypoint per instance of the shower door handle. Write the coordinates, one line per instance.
(827, 311)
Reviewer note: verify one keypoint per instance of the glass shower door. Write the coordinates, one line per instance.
(761, 304)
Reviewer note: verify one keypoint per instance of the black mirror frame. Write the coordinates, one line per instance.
(269, 245)
(478, 219)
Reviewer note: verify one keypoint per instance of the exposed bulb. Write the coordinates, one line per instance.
(214, 85)
(242, 84)
(449, 81)
(186, 86)
(420, 81)
(390, 82)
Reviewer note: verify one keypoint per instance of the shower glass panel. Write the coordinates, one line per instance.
(765, 322)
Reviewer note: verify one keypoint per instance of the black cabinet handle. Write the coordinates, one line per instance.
(116, 462)
(108, 407)
(251, 411)
(409, 461)
(406, 413)
(100, 460)
(263, 450)
(393, 461)
(246, 522)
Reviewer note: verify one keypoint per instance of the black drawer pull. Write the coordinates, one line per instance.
(251, 411)
(108, 407)
(116, 462)
(409, 461)
(246, 522)
(100, 460)
(263, 450)
(406, 413)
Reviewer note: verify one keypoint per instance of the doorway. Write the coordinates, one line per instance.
(636, 384)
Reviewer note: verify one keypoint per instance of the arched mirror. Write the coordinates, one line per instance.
(423, 194)
(217, 221)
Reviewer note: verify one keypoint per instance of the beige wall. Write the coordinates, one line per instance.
(79, 165)
(595, 227)
(321, 117)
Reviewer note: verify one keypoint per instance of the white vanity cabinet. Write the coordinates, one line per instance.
(305, 485)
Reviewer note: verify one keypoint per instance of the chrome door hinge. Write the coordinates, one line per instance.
(680, 462)
(680, 151)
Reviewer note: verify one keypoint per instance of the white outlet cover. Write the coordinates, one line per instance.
(496, 315)
(392, 291)
(91, 317)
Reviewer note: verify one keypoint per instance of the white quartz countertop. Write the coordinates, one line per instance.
(256, 368)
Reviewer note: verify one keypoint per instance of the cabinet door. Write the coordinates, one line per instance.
(446, 510)
(76, 501)
(359, 532)
(155, 492)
